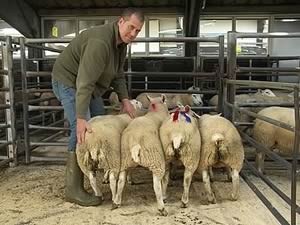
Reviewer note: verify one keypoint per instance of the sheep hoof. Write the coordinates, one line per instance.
(105, 182)
(183, 205)
(115, 206)
(234, 197)
(163, 212)
(165, 200)
(212, 199)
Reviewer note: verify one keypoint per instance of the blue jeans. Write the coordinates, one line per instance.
(66, 95)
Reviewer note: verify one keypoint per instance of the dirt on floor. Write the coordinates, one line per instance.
(34, 194)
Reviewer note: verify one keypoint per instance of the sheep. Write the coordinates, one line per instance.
(272, 136)
(116, 107)
(261, 96)
(174, 99)
(51, 102)
(113, 98)
(140, 145)
(221, 146)
(180, 138)
(101, 149)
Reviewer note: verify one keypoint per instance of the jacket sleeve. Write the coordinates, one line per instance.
(119, 83)
(91, 66)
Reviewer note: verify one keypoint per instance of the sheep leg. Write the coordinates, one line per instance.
(187, 180)
(229, 173)
(113, 185)
(211, 173)
(210, 195)
(93, 182)
(165, 182)
(106, 177)
(260, 161)
(173, 170)
(129, 178)
(235, 184)
(159, 196)
(121, 184)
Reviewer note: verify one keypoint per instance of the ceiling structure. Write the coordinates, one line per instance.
(25, 15)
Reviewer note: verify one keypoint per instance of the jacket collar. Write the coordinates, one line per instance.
(117, 36)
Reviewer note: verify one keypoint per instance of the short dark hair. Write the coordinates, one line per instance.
(130, 11)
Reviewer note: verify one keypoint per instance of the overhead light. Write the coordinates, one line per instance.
(289, 20)
(169, 31)
(279, 33)
(9, 32)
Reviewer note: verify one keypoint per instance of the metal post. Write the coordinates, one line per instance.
(25, 100)
(129, 69)
(231, 70)
(220, 74)
(8, 82)
(295, 159)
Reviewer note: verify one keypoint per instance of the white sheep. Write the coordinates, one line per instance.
(102, 149)
(272, 136)
(261, 96)
(141, 146)
(173, 99)
(180, 137)
(221, 146)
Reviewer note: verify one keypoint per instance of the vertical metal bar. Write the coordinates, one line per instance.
(197, 56)
(129, 76)
(25, 100)
(147, 28)
(234, 24)
(295, 159)
(271, 40)
(231, 71)
(10, 113)
(250, 65)
(220, 74)
(195, 80)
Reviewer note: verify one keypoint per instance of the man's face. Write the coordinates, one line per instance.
(129, 28)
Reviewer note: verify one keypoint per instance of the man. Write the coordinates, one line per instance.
(91, 63)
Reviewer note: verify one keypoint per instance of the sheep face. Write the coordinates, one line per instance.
(136, 104)
(197, 98)
(157, 104)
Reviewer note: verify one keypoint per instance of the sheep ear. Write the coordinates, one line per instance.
(187, 108)
(179, 105)
(195, 115)
(149, 98)
(163, 98)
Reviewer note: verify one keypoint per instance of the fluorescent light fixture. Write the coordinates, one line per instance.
(169, 31)
(289, 20)
(9, 32)
(279, 33)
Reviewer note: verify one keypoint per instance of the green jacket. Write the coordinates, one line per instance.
(91, 63)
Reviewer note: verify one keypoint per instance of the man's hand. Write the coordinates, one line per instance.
(128, 108)
(82, 127)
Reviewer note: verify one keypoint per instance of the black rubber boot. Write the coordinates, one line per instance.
(75, 191)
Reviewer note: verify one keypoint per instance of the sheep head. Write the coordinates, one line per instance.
(158, 103)
(197, 98)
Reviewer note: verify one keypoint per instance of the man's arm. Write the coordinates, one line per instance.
(92, 64)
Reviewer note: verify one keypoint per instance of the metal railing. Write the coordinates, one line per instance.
(217, 76)
(231, 107)
(28, 105)
(8, 106)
